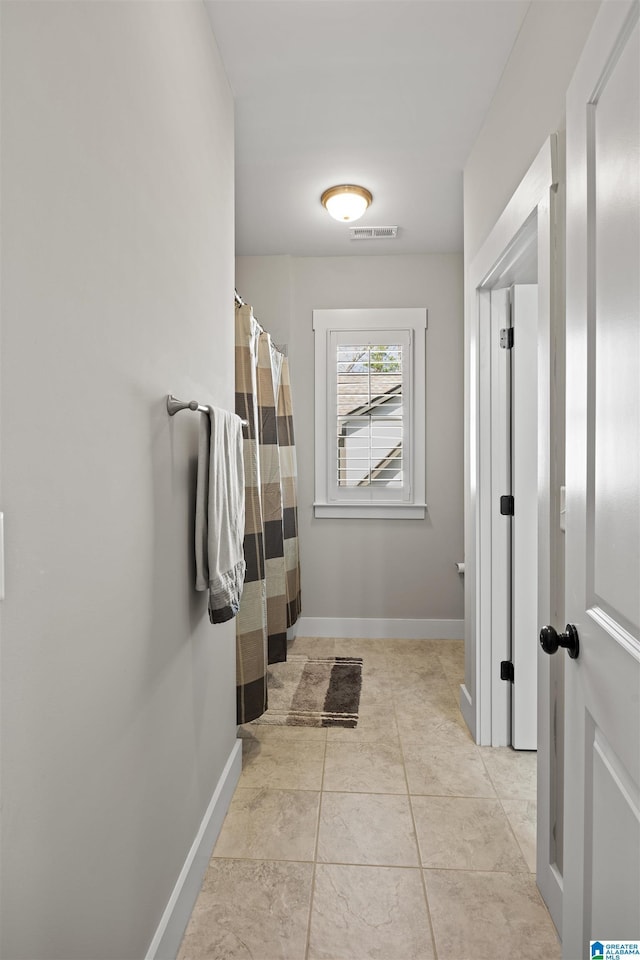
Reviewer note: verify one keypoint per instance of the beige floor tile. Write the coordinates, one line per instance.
(364, 768)
(489, 916)
(419, 683)
(463, 833)
(523, 819)
(271, 731)
(361, 647)
(374, 663)
(513, 772)
(421, 726)
(376, 686)
(266, 824)
(416, 672)
(450, 648)
(453, 666)
(367, 828)
(427, 699)
(425, 658)
(313, 646)
(468, 803)
(411, 718)
(250, 910)
(455, 689)
(438, 768)
(454, 669)
(418, 647)
(369, 912)
(282, 766)
(375, 722)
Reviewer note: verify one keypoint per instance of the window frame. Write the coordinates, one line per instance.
(367, 324)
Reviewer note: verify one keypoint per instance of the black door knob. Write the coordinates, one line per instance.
(550, 640)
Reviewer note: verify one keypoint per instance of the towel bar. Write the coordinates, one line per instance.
(174, 406)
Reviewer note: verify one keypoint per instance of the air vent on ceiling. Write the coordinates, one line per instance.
(373, 233)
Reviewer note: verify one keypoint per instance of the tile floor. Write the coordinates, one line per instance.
(398, 840)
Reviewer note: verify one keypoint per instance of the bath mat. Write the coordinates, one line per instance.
(314, 692)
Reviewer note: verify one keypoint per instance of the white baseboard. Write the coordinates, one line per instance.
(168, 937)
(378, 629)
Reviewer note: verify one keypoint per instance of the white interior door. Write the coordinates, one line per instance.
(524, 544)
(500, 524)
(602, 686)
(514, 537)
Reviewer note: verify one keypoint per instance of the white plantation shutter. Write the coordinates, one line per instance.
(370, 395)
(370, 415)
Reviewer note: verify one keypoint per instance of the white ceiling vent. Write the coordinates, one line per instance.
(373, 233)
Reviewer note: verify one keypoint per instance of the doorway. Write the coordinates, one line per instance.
(525, 247)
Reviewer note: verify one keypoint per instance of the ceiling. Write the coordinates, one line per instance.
(389, 94)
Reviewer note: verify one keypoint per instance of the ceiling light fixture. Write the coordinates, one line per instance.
(346, 202)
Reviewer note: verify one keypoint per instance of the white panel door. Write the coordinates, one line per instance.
(602, 752)
(500, 524)
(524, 546)
(514, 539)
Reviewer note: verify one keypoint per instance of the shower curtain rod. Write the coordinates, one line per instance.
(281, 348)
(174, 406)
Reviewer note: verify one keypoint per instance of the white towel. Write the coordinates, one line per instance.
(219, 533)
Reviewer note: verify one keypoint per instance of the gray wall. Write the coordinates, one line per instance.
(374, 568)
(527, 107)
(118, 699)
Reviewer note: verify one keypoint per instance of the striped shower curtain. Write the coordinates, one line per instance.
(271, 598)
(289, 480)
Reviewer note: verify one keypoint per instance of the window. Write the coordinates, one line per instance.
(370, 412)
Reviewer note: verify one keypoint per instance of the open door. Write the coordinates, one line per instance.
(514, 511)
(602, 685)
(524, 523)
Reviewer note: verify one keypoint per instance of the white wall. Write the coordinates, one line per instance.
(118, 697)
(389, 569)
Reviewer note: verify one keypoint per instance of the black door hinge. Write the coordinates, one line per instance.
(507, 505)
(506, 338)
(506, 670)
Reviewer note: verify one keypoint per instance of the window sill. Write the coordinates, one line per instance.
(373, 511)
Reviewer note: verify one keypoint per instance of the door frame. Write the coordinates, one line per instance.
(530, 225)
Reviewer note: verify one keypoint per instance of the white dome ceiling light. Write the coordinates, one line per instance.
(346, 202)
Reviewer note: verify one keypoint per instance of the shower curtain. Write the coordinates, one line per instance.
(271, 598)
(289, 477)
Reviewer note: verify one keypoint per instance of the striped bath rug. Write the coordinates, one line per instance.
(314, 692)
